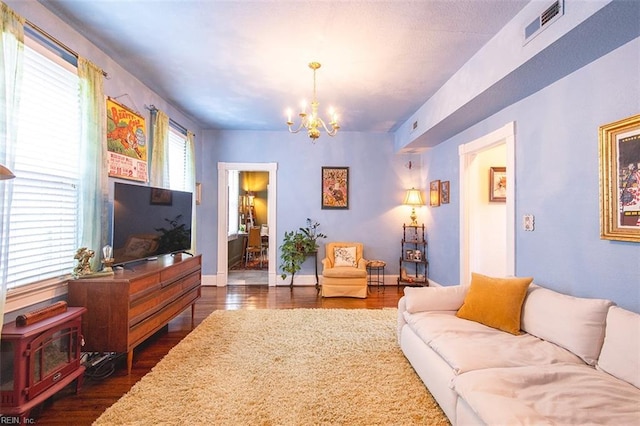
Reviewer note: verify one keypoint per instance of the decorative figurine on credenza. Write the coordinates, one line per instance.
(83, 256)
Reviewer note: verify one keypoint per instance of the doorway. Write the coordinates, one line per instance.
(483, 223)
(223, 217)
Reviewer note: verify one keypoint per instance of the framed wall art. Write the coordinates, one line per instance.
(498, 184)
(434, 193)
(444, 192)
(620, 180)
(126, 143)
(335, 187)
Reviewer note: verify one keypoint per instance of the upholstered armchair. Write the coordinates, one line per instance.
(344, 271)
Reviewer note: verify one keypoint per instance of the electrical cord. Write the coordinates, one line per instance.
(99, 366)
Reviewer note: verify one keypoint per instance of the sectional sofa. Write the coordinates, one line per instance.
(571, 361)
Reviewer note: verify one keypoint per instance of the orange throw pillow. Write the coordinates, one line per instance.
(495, 302)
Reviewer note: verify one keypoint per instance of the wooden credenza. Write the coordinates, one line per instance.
(125, 309)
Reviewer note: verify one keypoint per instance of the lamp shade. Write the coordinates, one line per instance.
(5, 173)
(413, 198)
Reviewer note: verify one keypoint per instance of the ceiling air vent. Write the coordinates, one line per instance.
(550, 15)
(414, 126)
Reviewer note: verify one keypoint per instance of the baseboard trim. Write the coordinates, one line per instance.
(308, 280)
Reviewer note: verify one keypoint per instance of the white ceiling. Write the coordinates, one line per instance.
(240, 64)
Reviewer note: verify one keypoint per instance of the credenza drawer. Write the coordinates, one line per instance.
(153, 302)
(150, 325)
(185, 266)
(144, 284)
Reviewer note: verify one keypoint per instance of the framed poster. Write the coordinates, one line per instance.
(498, 184)
(126, 143)
(620, 180)
(434, 193)
(444, 192)
(335, 187)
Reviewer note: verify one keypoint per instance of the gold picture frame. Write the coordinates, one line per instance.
(619, 151)
(498, 184)
(444, 192)
(434, 193)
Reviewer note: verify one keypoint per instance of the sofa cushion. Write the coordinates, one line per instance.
(344, 256)
(495, 302)
(620, 355)
(419, 299)
(574, 323)
(468, 345)
(558, 394)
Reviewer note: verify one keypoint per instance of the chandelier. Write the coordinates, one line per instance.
(312, 121)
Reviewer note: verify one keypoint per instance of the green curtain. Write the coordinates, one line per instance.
(159, 161)
(191, 183)
(94, 195)
(11, 61)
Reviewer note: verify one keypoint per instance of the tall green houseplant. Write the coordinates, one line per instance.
(297, 245)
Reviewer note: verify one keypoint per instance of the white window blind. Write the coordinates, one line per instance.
(177, 160)
(43, 223)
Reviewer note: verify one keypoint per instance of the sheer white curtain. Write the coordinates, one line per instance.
(159, 161)
(11, 59)
(191, 183)
(94, 193)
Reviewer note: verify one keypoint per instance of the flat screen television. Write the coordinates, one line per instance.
(148, 222)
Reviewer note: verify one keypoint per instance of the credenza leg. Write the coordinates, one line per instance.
(129, 361)
(193, 315)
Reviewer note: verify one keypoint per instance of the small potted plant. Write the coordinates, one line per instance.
(297, 245)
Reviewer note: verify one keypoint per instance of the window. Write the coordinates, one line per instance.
(177, 157)
(43, 224)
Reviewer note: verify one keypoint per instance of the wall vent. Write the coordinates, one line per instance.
(542, 22)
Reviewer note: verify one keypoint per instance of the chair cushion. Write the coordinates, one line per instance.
(495, 302)
(344, 256)
(344, 272)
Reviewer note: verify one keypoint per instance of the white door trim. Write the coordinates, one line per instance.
(467, 152)
(223, 211)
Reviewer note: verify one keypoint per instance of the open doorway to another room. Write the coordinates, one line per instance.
(486, 222)
(248, 261)
(247, 194)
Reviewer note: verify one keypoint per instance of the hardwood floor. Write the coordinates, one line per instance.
(67, 408)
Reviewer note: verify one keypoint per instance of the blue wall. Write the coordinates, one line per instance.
(378, 181)
(557, 180)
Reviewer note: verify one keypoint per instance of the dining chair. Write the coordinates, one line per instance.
(254, 245)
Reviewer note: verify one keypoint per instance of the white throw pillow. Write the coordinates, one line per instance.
(620, 354)
(434, 298)
(344, 256)
(575, 323)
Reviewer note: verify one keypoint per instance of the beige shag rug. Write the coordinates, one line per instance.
(283, 367)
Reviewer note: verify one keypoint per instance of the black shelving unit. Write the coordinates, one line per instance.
(414, 265)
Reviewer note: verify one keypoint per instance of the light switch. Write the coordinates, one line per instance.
(528, 222)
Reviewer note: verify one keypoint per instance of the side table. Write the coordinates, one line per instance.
(376, 267)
